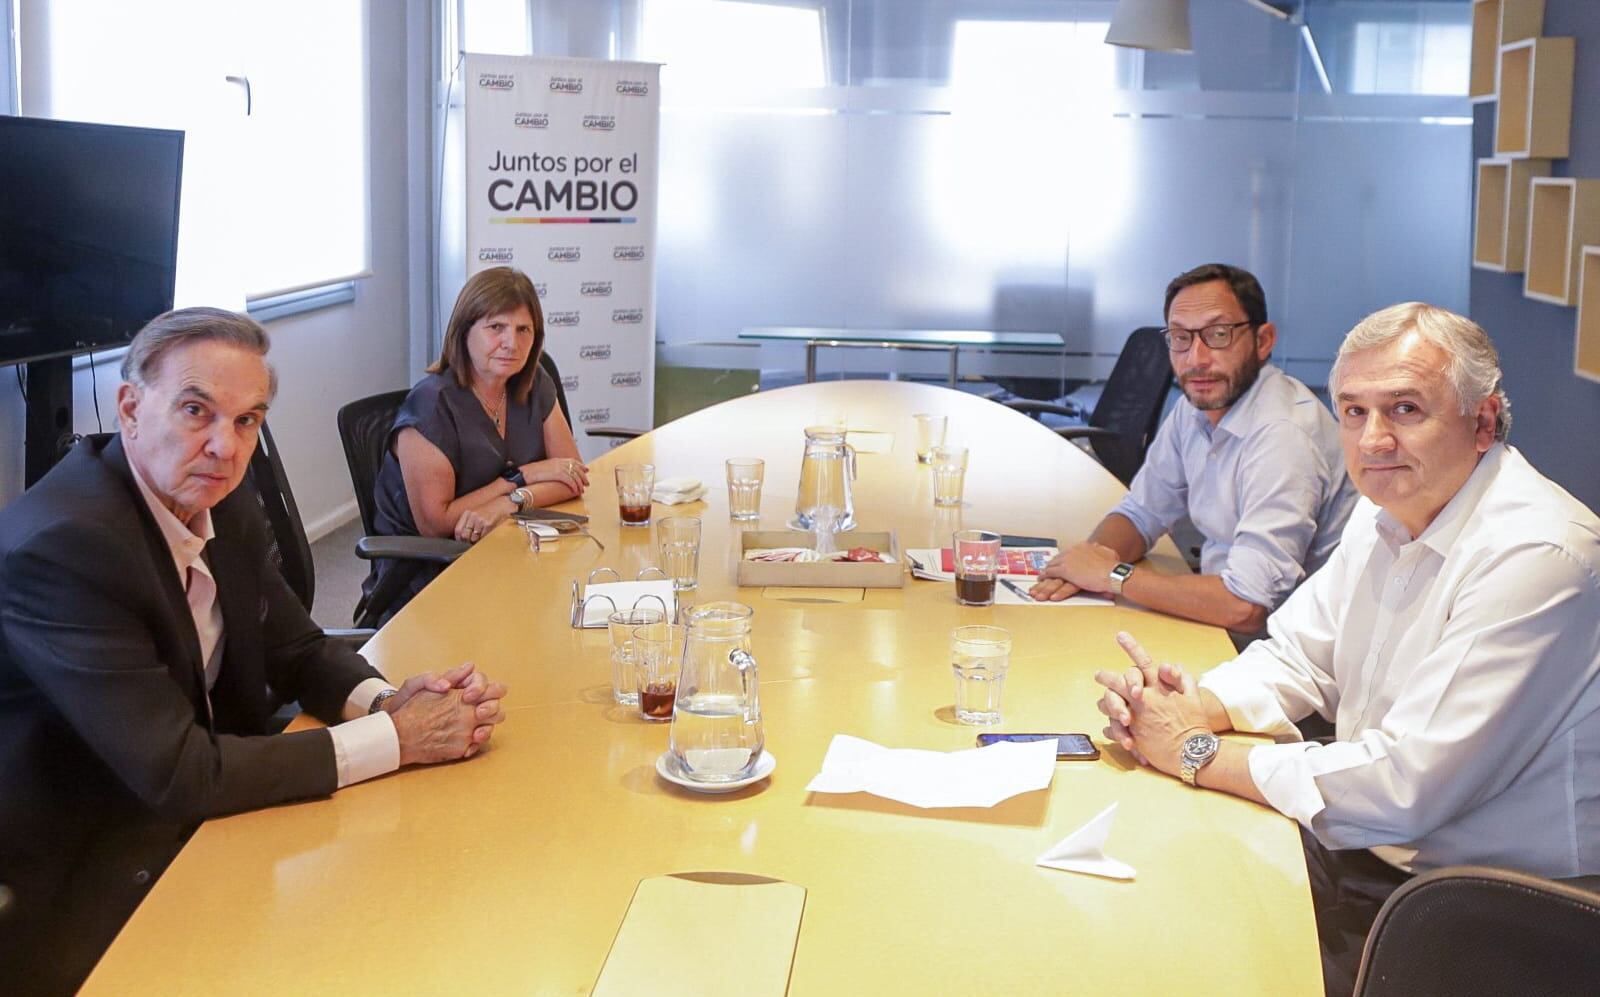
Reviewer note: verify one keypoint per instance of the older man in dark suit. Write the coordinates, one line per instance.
(141, 629)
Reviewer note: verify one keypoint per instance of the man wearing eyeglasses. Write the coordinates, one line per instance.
(1250, 455)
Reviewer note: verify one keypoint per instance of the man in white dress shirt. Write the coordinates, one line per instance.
(1453, 639)
(141, 627)
(1249, 454)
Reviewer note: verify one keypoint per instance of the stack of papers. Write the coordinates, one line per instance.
(976, 777)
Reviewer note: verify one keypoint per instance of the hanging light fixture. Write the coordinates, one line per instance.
(1163, 25)
(1156, 25)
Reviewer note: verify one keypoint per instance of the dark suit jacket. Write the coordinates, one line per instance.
(108, 755)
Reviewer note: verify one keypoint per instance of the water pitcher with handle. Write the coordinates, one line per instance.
(826, 471)
(716, 716)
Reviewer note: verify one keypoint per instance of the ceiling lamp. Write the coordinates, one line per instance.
(1162, 25)
(1157, 25)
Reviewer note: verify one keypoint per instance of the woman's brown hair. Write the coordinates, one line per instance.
(491, 292)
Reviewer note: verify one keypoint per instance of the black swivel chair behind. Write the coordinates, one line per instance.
(1470, 931)
(364, 427)
(1126, 417)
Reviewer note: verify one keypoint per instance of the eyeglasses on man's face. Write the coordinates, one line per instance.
(1216, 337)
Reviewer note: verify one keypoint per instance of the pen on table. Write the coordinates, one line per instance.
(1013, 586)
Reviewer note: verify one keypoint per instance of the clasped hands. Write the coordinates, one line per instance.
(1151, 709)
(1083, 567)
(445, 717)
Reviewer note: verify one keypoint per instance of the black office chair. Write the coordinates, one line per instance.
(1126, 417)
(364, 427)
(287, 546)
(1468, 931)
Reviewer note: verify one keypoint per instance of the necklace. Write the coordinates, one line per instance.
(496, 412)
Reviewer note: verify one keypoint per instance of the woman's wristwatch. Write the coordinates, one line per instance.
(519, 497)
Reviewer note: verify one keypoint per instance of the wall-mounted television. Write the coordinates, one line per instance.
(88, 234)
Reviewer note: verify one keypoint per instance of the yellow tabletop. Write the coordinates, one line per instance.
(511, 873)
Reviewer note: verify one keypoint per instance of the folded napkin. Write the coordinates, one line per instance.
(1084, 850)
(676, 491)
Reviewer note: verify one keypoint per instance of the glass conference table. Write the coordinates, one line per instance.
(916, 340)
(512, 872)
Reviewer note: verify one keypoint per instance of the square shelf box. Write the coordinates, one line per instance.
(1534, 116)
(1496, 23)
(1500, 217)
(1563, 217)
(1586, 361)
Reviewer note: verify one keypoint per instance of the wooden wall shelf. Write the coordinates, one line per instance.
(1496, 23)
(1534, 117)
(1500, 217)
(1586, 359)
(1563, 217)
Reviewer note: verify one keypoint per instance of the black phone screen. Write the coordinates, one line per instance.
(1073, 746)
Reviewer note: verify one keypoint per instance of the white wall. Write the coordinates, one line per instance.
(326, 357)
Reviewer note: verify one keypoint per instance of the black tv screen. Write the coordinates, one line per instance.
(88, 234)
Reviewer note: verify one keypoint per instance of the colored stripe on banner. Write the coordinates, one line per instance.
(562, 221)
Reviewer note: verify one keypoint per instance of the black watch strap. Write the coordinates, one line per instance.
(514, 475)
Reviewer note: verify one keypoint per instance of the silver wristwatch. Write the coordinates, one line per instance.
(380, 699)
(1120, 574)
(519, 498)
(1198, 750)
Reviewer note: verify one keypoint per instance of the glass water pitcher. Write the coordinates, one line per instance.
(826, 471)
(716, 716)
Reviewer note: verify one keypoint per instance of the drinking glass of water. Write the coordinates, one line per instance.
(744, 488)
(979, 657)
(679, 537)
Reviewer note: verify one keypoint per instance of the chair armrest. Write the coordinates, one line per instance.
(436, 550)
(1086, 432)
(616, 433)
(1028, 406)
(354, 637)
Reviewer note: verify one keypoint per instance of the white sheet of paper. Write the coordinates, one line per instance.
(976, 777)
(1084, 850)
(929, 571)
(626, 595)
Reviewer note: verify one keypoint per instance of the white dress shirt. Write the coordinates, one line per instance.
(364, 745)
(1462, 671)
(1266, 487)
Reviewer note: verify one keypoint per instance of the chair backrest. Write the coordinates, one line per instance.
(286, 535)
(549, 364)
(1132, 401)
(364, 427)
(1467, 931)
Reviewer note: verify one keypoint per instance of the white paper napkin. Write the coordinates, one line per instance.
(625, 595)
(1084, 850)
(976, 777)
(676, 491)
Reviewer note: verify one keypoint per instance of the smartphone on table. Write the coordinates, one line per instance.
(1073, 747)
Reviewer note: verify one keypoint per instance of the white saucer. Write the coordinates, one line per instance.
(667, 768)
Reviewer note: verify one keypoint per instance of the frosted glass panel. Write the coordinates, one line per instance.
(994, 165)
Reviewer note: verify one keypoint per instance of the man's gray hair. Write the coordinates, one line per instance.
(142, 363)
(1474, 365)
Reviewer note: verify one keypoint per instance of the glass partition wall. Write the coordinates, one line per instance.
(993, 165)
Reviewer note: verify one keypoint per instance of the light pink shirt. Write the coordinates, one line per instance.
(364, 745)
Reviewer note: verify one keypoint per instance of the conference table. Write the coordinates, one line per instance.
(511, 872)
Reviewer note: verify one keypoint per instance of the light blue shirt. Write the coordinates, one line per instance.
(1266, 487)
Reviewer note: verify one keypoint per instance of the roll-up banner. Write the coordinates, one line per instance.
(561, 184)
